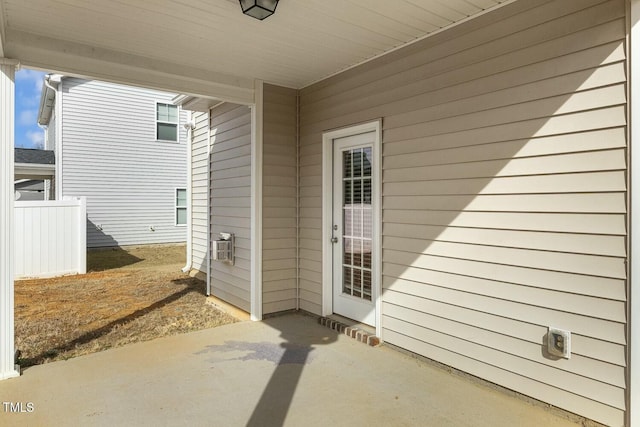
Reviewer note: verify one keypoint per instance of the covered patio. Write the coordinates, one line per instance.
(501, 195)
(284, 371)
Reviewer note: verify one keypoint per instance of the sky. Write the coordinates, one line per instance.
(28, 86)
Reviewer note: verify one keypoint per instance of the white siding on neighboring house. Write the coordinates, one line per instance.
(199, 188)
(504, 190)
(279, 199)
(230, 200)
(50, 144)
(111, 156)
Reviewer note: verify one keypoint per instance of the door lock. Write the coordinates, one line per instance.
(334, 240)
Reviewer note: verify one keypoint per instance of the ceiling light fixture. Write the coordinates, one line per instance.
(259, 9)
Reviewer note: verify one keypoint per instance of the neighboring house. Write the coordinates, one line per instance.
(502, 188)
(34, 173)
(29, 189)
(496, 209)
(124, 149)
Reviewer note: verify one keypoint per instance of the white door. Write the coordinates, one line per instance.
(353, 291)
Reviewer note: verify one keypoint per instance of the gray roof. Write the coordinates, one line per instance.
(30, 155)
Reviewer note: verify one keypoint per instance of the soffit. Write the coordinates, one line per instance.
(304, 42)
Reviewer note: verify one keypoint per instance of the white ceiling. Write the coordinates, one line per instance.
(210, 40)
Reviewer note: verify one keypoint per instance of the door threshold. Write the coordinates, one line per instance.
(358, 331)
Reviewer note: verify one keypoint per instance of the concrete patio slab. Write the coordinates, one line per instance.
(286, 370)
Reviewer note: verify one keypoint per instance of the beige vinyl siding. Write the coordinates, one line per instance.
(199, 191)
(504, 196)
(230, 199)
(111, 156)
(279, 199)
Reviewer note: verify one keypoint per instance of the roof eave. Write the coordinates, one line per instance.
(47, 98)
(194, 103)
(33, 171)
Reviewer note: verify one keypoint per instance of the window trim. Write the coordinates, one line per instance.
(176, 123)
(177, 207)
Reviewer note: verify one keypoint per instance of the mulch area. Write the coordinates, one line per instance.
(131, 295)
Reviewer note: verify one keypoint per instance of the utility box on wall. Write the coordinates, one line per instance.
(559, 342)
(223, 248)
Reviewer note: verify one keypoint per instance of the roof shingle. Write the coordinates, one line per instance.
(30, 155)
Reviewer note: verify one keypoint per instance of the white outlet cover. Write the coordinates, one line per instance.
(559, 342)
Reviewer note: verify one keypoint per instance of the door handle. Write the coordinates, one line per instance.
(334, 240)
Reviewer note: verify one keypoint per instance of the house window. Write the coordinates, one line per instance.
(181, 206)
(166, 122)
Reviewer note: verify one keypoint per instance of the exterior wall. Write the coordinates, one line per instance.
(279, 199)
(503, 196)
(230, 200)
(111, 156)
(199, 191)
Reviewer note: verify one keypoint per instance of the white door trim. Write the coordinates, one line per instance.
(327, 215)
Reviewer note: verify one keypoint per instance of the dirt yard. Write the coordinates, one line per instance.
(129, 295)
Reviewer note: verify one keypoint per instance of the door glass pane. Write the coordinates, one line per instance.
(366, 284)
(348, 252)
(346, 281)
(357, 163)
(356, 213)
(347, 164)
(347, 222)
(347, 191)
(357, 222)
(366, 259)
(357, 190)
(357, 283)
(366, 191)
(366, 162)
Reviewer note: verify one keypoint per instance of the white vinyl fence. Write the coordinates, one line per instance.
(50, 238)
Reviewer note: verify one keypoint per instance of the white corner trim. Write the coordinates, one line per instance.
(256, 202)
(633, 384)
(7, 196)
(327, 214)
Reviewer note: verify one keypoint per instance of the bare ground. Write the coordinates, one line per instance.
(130, 295)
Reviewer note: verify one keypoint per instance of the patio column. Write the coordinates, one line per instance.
(7, 344)
(257, 110)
